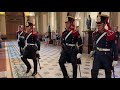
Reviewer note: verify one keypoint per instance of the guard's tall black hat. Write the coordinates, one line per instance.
(102, 19)
(29, 24)
(70, 18)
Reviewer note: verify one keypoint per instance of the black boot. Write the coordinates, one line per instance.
(24, 59)
(28, 70)
(66, 76)
(38, 56)
(34, 73)
(94, 73)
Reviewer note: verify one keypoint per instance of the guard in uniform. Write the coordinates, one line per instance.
(32, 48)
(71, 53)
(104, 46)
(20, 38)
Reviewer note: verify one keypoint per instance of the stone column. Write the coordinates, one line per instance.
(44, 21)
(36, 21)
(119, 21)
(39, 22)
(58, 21)
(2, 25)
(87, 34)
(63, 16)
(113, 19)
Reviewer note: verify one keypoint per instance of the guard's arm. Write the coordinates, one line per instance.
(63, 41)
(80, 44)
(37, 41)
(17, 35)
(114, 51)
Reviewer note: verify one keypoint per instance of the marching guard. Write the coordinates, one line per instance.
(20, 38)
(71, 53)
(32, 47)
(104, 46)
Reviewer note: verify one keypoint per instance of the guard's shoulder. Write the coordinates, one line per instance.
(34, 33)
(24, 31)
(110, 35)
(94, 33)
(76, 33)
(110, 32)
(64, 32)
(17, 31)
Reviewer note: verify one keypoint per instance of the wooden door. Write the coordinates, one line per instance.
(13, 19)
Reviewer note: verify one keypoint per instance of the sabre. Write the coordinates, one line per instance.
(113, 71)
(38, 62)
(79, 69)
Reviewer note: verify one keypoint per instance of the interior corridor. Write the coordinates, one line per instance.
(49, 27)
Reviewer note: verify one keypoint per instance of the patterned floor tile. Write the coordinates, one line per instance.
(49, 63)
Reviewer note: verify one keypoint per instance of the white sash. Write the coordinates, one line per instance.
(100, 37)
(68, 34)
(27, 39)
(19, 35)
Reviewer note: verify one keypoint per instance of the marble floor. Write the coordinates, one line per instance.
(49, 63)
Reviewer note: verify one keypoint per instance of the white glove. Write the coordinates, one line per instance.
(17, 40)
(37, 52)
(78, 55)
(91, 53)
(114, 63)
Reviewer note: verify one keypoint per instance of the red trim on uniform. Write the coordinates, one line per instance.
(110, 35)
(75, 33)
(34, 33)
(62, 33)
